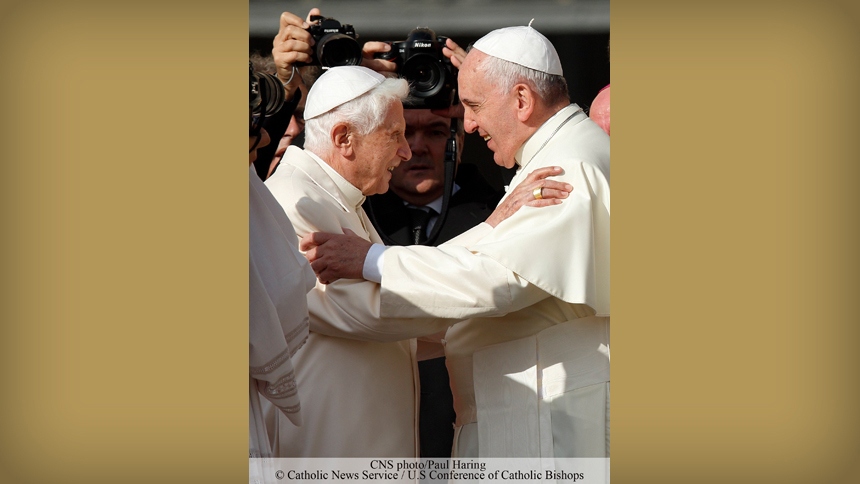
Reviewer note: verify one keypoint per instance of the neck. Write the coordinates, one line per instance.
(538, 117)
(543, 113)
(342, 166)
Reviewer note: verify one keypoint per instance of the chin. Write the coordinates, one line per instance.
(497, 158)
(380, 190)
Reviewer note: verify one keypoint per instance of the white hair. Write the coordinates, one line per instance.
(505, 75)
(364, 114)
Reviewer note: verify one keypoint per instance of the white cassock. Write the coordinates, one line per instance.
(534, 383)
(279, 278)
(358, 372)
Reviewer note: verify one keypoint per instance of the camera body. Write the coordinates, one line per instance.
(335, 44)
(432, 78)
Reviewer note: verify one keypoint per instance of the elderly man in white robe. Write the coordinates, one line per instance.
(358, 371)
(535, 382)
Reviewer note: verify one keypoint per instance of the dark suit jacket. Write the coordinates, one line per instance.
(471, 205)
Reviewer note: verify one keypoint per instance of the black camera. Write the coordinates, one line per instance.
(335, 44)
(266, 98)
(432, 78)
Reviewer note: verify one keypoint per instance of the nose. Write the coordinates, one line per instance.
(403, 150)
(469, 123)
(417, 144)
(294, 128)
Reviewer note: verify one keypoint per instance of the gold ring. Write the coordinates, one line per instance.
(538, 193)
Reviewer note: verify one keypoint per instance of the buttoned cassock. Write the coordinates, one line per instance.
(358, 372)
(536, 381)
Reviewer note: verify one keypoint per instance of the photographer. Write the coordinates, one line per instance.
(292, 45)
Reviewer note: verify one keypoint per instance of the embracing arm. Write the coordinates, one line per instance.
(347, 308)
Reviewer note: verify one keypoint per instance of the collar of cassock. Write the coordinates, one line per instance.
(352, 196)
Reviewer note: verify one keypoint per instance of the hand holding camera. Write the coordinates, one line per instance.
(454, 53)
(334, 44)
(369, 59)
(292, 46)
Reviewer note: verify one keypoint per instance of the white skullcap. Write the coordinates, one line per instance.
(521, 45)
(339, 85)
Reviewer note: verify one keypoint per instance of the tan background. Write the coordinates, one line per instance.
(123, 334)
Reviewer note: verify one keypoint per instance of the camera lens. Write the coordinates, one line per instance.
(425, 75)
(338, 50)
(271, 94)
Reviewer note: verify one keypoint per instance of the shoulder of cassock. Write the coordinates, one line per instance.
(308, 195)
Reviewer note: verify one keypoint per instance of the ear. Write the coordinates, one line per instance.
(525, 100)
(342, 140)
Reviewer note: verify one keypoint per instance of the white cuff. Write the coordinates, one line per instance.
(373, 263)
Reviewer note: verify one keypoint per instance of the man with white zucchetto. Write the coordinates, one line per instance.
(530, 370)
(357, 371)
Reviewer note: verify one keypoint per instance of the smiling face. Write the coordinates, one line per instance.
(488, 111)
(379, 152)
(421, 180)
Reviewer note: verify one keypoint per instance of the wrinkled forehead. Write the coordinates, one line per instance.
(472, 64)
(472, 78)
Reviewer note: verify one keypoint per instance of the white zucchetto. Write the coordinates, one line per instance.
(521, 45)
(339, 85)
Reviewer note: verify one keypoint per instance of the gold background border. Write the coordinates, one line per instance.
(123, 335)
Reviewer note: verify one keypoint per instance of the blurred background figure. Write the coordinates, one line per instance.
(290, 52)
(599, 112)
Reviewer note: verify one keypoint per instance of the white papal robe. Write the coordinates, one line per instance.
(279, 278)
(358, 372)
(534, 383)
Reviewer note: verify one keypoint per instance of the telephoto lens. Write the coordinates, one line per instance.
(335, 43)
(266, 98)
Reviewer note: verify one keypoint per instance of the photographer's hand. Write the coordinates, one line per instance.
(292, 44)
(335, 256)
(454, 52)
(457, 56)
(524, 194)
(378, 65)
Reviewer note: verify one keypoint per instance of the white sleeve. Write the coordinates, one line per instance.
(450, 282)
(372, 270)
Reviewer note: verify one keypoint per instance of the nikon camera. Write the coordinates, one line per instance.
(335, 43)
(432, 78)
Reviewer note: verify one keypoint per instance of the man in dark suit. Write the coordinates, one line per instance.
(406, 214)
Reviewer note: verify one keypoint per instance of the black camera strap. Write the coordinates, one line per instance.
(450, 172)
